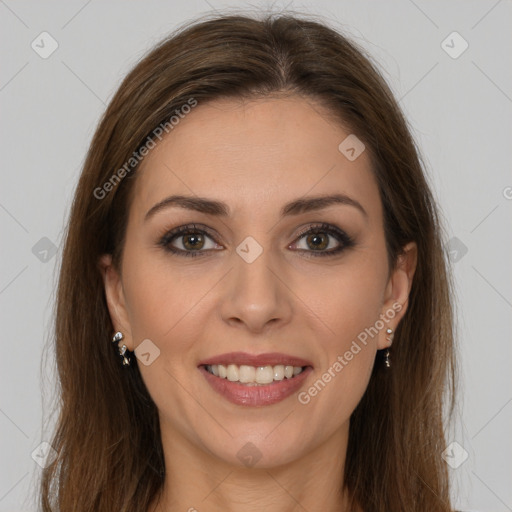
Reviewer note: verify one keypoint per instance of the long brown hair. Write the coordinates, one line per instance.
(107, 436)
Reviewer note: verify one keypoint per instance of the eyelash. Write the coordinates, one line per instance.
(189, 229)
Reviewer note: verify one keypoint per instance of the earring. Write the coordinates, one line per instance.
(389, 337)
(118, 336)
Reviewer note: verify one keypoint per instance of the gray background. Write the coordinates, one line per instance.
(459, 110)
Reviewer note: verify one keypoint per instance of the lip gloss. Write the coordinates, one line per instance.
(257, 395)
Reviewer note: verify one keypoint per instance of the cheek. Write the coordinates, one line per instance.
(166, 304)
(162, 297)
(349, 307)
(350, 301)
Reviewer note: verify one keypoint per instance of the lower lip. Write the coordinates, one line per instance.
(267, 394)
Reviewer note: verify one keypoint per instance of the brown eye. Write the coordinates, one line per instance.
(323, 240)
(193, 241)
(188, 241)
(317, 241)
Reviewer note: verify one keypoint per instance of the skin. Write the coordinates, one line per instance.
(255, 156)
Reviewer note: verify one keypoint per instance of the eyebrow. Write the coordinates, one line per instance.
(220, 209)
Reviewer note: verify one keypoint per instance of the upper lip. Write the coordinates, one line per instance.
(243, 358)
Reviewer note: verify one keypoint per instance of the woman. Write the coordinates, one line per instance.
(254, 306)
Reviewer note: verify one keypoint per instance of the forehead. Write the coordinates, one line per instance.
(255, 155)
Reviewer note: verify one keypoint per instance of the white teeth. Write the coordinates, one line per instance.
(279, 372)
(221, 369)
(233, 373)
(264, 374)
(253, 375)
(247, 373)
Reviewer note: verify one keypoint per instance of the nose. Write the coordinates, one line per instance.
(257, 293)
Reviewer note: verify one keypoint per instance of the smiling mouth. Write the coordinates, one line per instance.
(254, 375)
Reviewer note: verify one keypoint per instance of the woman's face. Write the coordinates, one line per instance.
(249, 287)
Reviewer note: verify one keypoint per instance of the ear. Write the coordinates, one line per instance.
(116, 303)
(397, 293)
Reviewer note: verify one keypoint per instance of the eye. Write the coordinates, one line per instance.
(319, 238)
(189, 240)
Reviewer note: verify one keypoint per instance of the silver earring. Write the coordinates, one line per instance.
(389, 337)
(118, 336)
